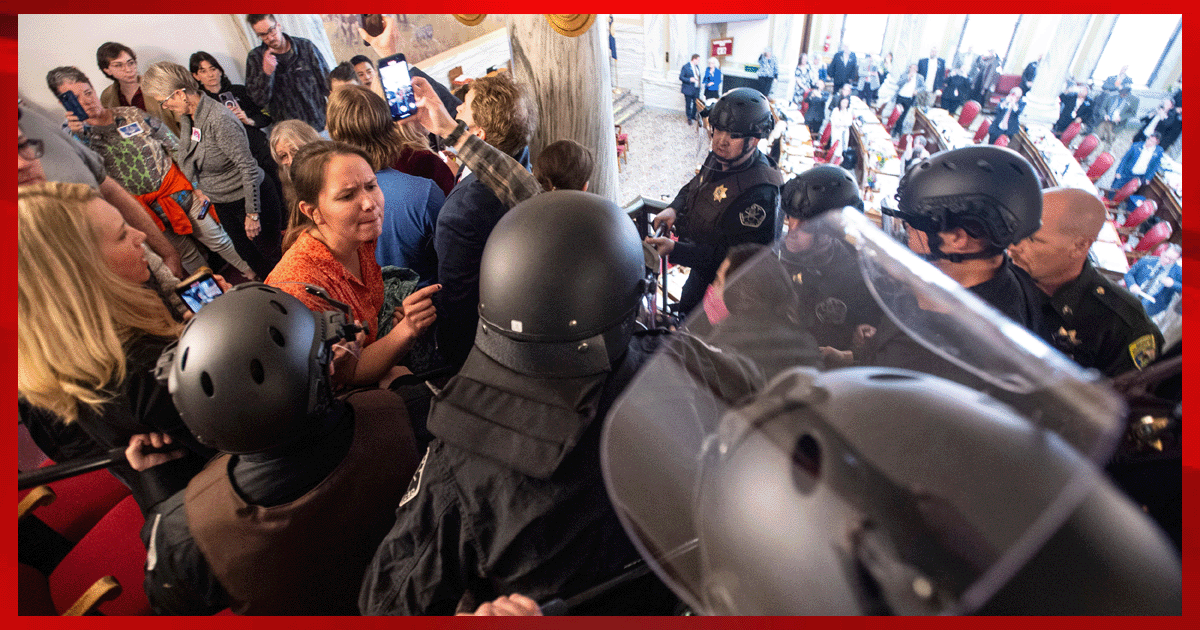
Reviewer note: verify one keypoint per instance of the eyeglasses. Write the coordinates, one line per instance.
(121, 65)
(31, 149)
(270, 32)
(163, 103)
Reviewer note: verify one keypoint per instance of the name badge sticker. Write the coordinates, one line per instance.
(195, 134)
(130, 130)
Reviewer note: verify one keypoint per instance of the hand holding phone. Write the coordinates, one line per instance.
(198, 289)
(71, 102)
(397, 86)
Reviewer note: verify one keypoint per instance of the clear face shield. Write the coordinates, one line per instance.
(757, 476)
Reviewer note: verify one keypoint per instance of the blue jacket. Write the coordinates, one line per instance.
(1125, 168)
(1143, 273)
(685, 78)
(467, 218)
(712, 79)
(410, 212)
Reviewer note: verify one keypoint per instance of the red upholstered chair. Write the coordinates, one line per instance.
(896, 113)
(1144, 211)
(970, 110)
(1071, 131)
(622, 147)
(1001, 140)
(829, 155)
(1100, 166)
(81, 502)
(1004, 85)
(112, 548)
(982, 132)
(1086, 146)
(1121, 195)
(903, 143)
(804, 103)
(825, 135)
(1153, 238)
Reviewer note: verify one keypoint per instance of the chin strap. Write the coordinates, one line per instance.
(727, 164)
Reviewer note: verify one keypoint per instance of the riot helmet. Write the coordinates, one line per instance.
(743, 111)
(991, 192)
(820, 188)
(250, 372)
(560, 283)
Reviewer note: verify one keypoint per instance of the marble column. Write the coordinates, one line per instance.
(570, 78)
(1041, 104)
(905, 51)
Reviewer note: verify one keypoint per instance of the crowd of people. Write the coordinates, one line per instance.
(417, 353)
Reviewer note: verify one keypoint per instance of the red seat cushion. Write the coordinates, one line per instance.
(113, 547)
(81, 502)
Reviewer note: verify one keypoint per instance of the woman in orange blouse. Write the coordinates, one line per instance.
(333, 247)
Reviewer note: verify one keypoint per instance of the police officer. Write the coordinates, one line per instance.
(825, 269)
(733, 199)
(1087, 316)
(509, 497)
(286, 520)
(962, 208)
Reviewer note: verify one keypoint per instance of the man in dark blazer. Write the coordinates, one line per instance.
(1030, 74)
(844, 68)
(939, 78)
(1007, 120)
(957, 90)
(689, 77)
(1112, 112)
(1076, 104)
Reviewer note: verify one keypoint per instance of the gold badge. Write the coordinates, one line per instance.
(1062, 335)
(719, 193)
(1143, 351)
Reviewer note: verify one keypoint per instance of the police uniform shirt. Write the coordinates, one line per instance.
(1100, 325)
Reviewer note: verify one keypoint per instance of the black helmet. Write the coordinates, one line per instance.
(992, 188)
(249, 373)
(743, 111)
(560, 282)
(820, 188)
(886, 491)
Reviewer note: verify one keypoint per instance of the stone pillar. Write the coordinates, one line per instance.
(904, 52)
(1041, 104)
(573, 89)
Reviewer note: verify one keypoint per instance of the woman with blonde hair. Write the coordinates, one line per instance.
(359, 117)
(89, 334)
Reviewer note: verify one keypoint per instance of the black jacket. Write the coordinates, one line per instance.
(510, 499)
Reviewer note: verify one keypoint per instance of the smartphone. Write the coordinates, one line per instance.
(372, 23)
(397, 86)
(228, 99)
(71, 102)
(198, 289)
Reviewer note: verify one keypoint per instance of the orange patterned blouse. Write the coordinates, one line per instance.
(309, 260)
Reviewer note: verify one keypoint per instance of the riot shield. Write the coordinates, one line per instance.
(757, 479)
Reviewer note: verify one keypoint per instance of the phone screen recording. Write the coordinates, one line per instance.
(199, 292)
(397, 86)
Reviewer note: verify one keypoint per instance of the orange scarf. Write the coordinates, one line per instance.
(173, 182)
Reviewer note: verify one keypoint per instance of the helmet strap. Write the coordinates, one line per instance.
(936, 253)
(728, 164)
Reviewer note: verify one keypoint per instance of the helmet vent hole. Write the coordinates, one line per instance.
(206, 384)
(984, 166)
(183, 359)
(807, 454)
(950, 166)
(256, 371)
(891, 376)
(277, 337)
(279, 307)
(1016, 169)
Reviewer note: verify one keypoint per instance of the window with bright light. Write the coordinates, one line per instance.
(1138, 41)
(989, 32)
(864, 33)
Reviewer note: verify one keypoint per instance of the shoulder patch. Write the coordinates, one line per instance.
(753, 216)
(414, 486)
(1143, 351)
